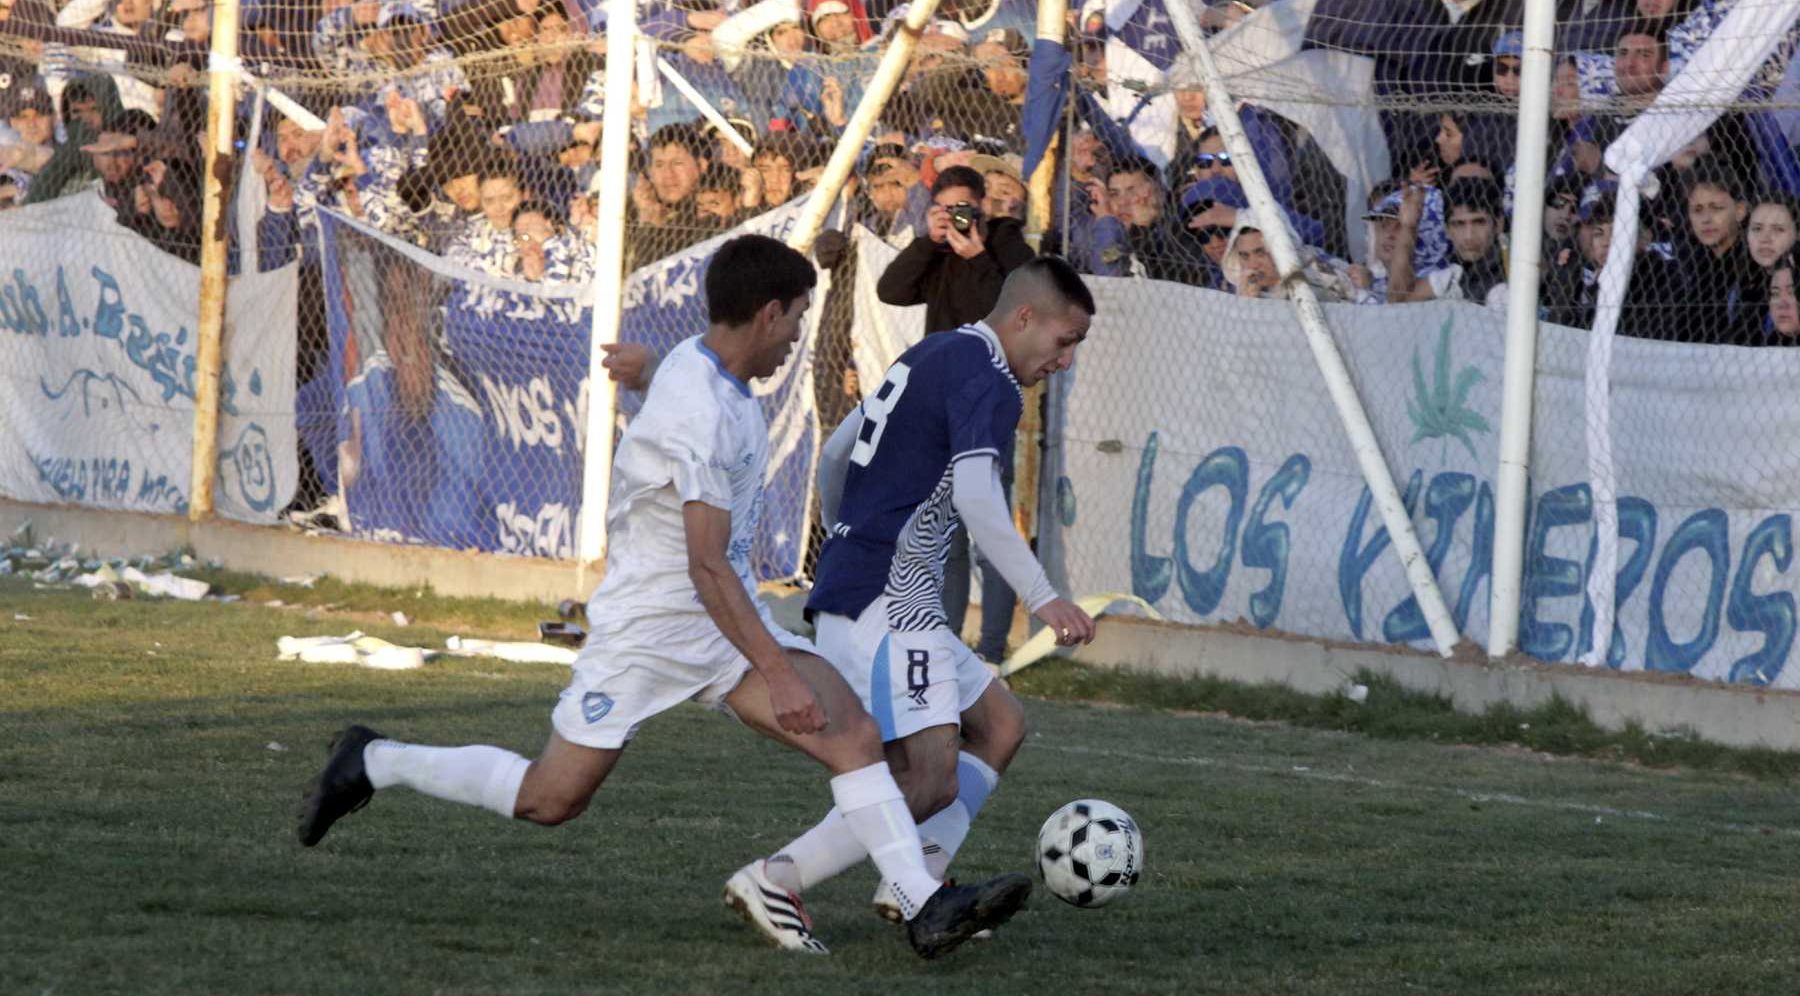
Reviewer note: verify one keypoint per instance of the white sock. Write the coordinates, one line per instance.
(488, 777)
(875, 810)
(823, 852)
(944, 832)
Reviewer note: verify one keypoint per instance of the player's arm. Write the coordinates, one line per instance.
(726, 601)
(834, 466)
(980, 500)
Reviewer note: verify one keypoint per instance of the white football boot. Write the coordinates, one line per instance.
(774, 912)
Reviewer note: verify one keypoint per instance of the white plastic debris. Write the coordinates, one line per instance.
(302, 580)
(355, 648)
(521, 653)
(166, 585)
(274, 603)
(272, 745)
(400, 619)
(21, 617)
(1357, 693)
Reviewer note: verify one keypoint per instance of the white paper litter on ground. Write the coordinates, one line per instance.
(355, 648)
(522, 653)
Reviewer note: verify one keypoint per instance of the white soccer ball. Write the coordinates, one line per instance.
(1090, 853)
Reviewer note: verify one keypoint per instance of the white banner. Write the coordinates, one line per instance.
(1194, 460)
(98, 347)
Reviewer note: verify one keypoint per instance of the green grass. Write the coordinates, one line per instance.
(1395, 713)
(151, 756)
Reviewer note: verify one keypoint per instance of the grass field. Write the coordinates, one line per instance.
(151, 756)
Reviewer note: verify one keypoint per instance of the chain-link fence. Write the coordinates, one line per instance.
(420, 181)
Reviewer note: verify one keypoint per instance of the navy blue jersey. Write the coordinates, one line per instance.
(951, 396)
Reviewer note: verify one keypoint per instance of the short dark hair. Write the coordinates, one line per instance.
(1474, 192)
(1711, 171)
(750, 271)
(1647, 26)
(1044, 274)
(545, 208)
(1137, 164)
(685, 135)
(960, 176)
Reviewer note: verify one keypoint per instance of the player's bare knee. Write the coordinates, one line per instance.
(549, 811)
(928, 788)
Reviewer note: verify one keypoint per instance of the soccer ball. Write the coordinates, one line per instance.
(1090, 853)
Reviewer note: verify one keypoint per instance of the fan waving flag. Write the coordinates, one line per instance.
(1045, 91)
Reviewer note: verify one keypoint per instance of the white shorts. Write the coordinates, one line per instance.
(908, 681)
(621, 679)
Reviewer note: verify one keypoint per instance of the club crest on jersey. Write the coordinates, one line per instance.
(918, 675)
(595, 706)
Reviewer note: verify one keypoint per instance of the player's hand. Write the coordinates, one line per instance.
(1066, 619)
(796, 709)
(628, 364)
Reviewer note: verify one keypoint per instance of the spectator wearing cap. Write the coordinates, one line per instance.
(1477, 271)
(1160, 247)
(1006, 194)
(32, 117)
(1651, 309)
(838, 26)
(126, 18)
(391, 41)
(1384, 238)
(1723, 287)
(1509, 55)
(824, 86)
(444, 197)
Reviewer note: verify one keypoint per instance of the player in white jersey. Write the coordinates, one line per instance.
(920, 453)
(676, 619)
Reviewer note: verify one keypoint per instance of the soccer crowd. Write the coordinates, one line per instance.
(470, 127)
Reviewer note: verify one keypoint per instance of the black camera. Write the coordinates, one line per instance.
(963, 216)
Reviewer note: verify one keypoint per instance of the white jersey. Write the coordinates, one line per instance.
(700, 436)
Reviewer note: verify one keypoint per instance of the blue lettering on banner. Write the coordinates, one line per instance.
(1549, 577)
(1707, 531)
(1355, 560)
(1772, 615)
(1447, 497)
(1226, 467)
(1150, 575)
(1266, 544)
(1637, 523)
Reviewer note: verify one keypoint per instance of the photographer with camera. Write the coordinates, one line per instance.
(955, 272)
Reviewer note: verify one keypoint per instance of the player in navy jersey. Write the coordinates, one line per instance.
(676, 619)
(920, 453)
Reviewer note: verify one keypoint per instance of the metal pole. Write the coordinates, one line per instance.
(1318, 337)
(1526, 269)
(843, 157)
(609, 276)
(221, 164)
(1052, 18)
